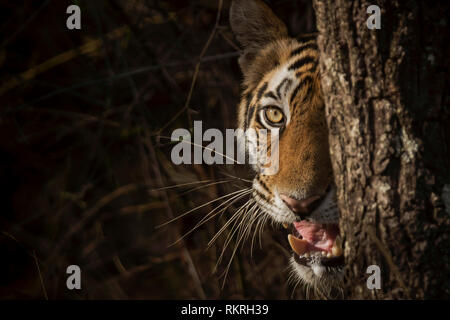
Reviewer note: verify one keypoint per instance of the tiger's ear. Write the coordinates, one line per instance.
(254, 25)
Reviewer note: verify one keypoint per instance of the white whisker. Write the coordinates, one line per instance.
(212, 213)
(199, 145)
(196, 208)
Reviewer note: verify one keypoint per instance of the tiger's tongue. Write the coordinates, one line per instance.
(316, 237)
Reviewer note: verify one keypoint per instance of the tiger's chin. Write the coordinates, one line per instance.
(317, 259)
(325, 281)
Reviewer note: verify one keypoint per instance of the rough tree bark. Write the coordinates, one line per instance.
(386, 99)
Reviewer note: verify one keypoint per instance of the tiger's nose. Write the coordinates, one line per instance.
(301, 208)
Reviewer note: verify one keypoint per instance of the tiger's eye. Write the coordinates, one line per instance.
(274, 115)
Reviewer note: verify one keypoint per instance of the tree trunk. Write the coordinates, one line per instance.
(386, 99)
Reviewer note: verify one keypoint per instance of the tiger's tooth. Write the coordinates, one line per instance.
(299, 246)
(338, 241)
(306, 255)
(324, 254)
(329, 255)
(336, 250)
(285, 225)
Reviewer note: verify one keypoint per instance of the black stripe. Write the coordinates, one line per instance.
(302, 48)
(303, 102)
(263, 184)
(270, 94)
(261, 90)
(279, 87)
(259, 121)
(262, 195)
(248, 98)
(287, 86)
(250, 114)
(307, 38)
(308, 92)
(305, 81)
(301, 62)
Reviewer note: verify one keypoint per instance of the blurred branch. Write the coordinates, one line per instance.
(87, 48)
(197, 67)
(24, 25)
(88, 214)
(185, 251)
(216, 57)
(141, 208)
(40, 276)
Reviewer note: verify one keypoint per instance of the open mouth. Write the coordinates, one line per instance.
(314, 243)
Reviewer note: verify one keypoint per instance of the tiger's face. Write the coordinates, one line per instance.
(282, 91)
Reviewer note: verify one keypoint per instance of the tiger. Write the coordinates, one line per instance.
(281, 90)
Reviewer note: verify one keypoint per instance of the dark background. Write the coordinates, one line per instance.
(80, 112)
